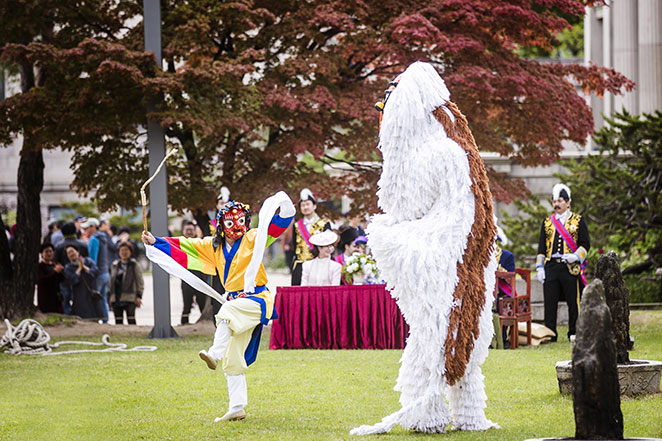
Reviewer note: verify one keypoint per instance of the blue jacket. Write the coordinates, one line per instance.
(101, 249)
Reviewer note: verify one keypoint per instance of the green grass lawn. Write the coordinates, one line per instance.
(170, 394)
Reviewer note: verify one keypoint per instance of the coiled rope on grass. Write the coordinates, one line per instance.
(30, 338)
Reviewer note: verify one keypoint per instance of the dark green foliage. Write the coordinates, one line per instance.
(621, 188)
(619, 192)
(644, 288)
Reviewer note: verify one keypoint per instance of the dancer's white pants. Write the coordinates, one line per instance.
(236, 321)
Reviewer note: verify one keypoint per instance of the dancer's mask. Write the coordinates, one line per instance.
(236, 218)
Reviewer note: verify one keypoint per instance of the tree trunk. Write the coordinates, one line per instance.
(28, 230)
(17, 293)
(6, 270)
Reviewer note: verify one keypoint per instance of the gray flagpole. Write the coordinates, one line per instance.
(158, 195)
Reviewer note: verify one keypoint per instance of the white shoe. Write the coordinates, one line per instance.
(211, 362)
(232, 416)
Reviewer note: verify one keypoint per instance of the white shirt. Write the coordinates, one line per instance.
(563, 216)
(308, 223)
(321, 272)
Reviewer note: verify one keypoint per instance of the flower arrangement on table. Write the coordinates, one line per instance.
(360, 269)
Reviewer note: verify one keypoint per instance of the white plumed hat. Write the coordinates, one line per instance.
(224, 195)
(307, 195)
(558, 188)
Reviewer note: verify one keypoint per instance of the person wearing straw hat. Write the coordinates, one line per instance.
(562, 249)
(322, 270)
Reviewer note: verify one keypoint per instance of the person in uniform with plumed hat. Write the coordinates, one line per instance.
(309, 224)
(562, 249)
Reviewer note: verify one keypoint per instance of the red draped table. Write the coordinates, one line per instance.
(337, 317)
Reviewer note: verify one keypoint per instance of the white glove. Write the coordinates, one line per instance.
(570, 258)
(541, 274)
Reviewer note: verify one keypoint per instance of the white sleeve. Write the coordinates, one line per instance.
(305, 273)
(336, 273)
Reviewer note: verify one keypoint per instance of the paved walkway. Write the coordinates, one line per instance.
(145, 314)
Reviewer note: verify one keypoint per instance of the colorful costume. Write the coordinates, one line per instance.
(563, 238)
(249, 303)
(434, 246)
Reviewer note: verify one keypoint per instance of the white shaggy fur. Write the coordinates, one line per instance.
(425, 193)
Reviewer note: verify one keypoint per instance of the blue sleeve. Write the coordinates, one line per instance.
(507, 261)
(93, 248)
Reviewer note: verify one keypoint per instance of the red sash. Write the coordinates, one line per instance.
(567, 238)
(340, 258)
(304, 233)
(505, 288)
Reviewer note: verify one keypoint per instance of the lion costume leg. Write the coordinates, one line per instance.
(467, 397)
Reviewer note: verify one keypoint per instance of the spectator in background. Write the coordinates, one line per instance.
(69, 233)
(78, 220)
(57, 236)
(101, 248)
(124, 235)
(105, 226)
(354, 221)
(54, 234)
(361, 244)
(81, 273)
(506, 263)
(322, 270)
(188, 292)
(125, 290)
(49, 276)
(288, 248)
(346, 245)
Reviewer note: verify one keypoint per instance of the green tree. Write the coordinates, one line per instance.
(618, 190)
(621, 188)
(250, 86)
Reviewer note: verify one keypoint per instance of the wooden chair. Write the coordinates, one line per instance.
(515, 309)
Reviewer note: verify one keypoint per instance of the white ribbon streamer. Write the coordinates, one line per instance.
(170, 266)
(267, 211)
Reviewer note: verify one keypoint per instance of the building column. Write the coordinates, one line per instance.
(625, 51)
(593, 53)
(650, 55)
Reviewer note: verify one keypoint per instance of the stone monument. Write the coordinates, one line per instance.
(636, 377)
(596, 395)
(608, 270)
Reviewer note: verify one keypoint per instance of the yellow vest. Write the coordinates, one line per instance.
(572, 225)
(301, 251)
(211, 260)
